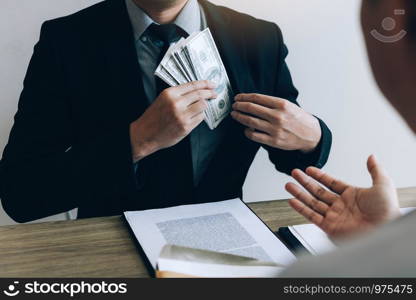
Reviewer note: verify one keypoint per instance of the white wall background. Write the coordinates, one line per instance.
(328, 63)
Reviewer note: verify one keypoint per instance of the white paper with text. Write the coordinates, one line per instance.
(227, 226)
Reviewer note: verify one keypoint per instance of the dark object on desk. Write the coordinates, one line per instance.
(287, 237)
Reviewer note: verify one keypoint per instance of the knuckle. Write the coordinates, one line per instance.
(256, 97)
(237, 116)
(278, 118)
(203, 105)
(321, 177)
(274, 137)
(249, 133)
(308, 183)
(177, 119)
(167, 93)
(195, 85)
(280, 132)
(193, 123)
(299, 194)
(186, 124)
(333, 184)
(183, 132)
(249, 106)
(209, 95)
(190, 85)
(251, 122)
(277, 142)
(304, 212)
(183, 127)
(200, 118)
(163, 94)
(284, 105)
(173, 105)
(320, 192)
(200, 94)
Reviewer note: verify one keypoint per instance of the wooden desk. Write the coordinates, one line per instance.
(103, 247)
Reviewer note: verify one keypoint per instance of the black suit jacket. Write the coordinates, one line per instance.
(70, 146)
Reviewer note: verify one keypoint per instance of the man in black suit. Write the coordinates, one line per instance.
(96, 130)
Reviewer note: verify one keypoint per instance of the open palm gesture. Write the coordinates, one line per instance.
(344, 209)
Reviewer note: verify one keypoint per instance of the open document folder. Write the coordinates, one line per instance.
(225, 227)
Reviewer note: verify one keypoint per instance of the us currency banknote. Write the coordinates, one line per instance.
(207, 63)
(197, 58)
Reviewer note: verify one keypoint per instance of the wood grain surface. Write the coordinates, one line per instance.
(103, 247)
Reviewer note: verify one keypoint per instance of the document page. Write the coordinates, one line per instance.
(227, 227)
(316, 241)
(204, 263)
(407, 210)
(312, 238)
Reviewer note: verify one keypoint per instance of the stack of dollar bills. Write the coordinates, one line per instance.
(197, 58)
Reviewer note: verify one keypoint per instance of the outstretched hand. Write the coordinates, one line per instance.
(342, 209)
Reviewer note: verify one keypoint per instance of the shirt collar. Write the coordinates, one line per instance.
(189, 19)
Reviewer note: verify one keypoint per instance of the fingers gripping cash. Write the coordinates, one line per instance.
(197, 58)
(199, 90)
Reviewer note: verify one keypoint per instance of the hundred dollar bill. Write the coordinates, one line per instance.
(169, 65)
(181, 61)
(197, 58)
(171, 74)
(166, 76)
(207, 64)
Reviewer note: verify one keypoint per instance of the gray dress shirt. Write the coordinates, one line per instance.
(204, 142)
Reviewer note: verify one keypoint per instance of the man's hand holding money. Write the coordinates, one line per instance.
(173, 115)
(277, 122)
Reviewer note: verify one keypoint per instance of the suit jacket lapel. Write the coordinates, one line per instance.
(228, 39)
(230, 43)
(122, 62)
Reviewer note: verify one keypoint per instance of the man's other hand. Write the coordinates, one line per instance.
(171, 117)
(277, 122)
(344, 210)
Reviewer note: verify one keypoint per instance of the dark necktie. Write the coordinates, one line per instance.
(164, 35)
(173, 172)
